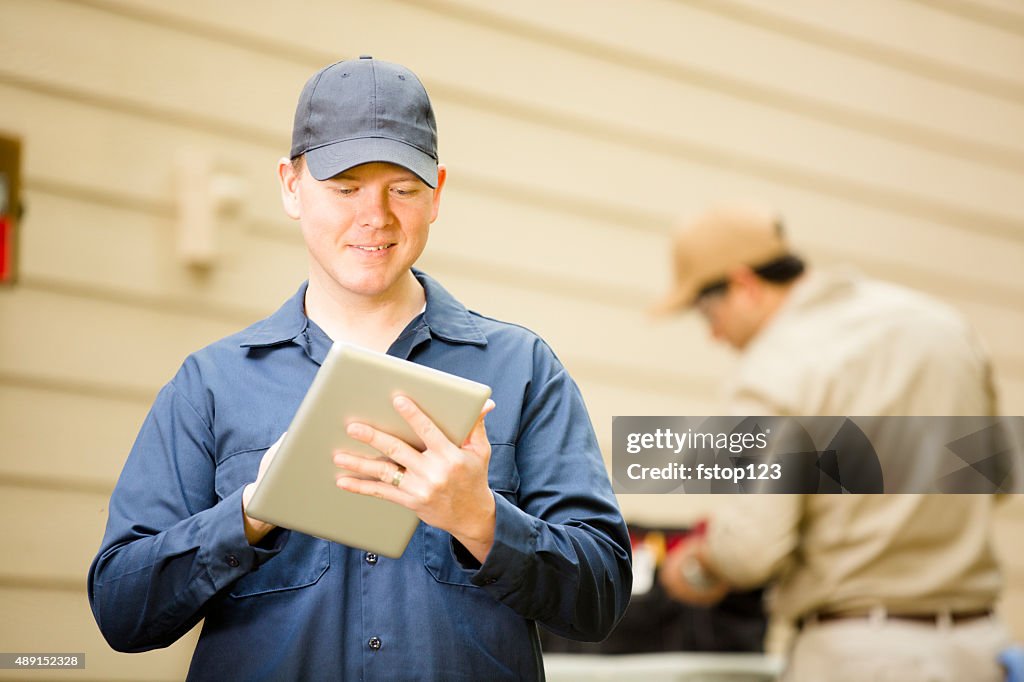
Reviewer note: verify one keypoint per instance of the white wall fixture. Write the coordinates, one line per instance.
(205, 195)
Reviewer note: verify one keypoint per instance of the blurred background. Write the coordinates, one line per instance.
(889, 132)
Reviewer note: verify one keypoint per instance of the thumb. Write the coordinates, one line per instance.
(477, 438)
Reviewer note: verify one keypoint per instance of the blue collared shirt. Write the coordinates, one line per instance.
(297, 607)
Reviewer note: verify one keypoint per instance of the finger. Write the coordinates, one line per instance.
(368, 467)
(477, 438)
(382, 491)
(390, 446)
(422, 425)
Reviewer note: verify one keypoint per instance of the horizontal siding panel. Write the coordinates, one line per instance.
(103, 247)
(879, 32)
(1004, 15)
(759, 139)
(92, 341)
(74, 46)
(64, 438)
(770, 69)
(782, 76)
(57, 533)
(42, 620)
(127, 157)
(643, 177)
(641, 169)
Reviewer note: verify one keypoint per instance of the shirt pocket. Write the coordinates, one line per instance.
(301, 563)
(236, 470)
(438, 556)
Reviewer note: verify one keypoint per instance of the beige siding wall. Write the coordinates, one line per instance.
(891, 132)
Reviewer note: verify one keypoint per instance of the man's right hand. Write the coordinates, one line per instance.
(674, 578)
(255, 529)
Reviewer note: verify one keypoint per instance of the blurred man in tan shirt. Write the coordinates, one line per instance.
(894, 587)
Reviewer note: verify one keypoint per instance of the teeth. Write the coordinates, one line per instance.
(374, 248)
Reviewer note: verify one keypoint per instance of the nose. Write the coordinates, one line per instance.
(374, 208)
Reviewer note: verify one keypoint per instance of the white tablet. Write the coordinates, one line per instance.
(298, 490)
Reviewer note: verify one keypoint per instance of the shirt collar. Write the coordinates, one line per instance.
(283, 326)
(815, 287)
(446, 318)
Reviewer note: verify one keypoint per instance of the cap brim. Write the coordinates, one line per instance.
(677, 300)
(327, 161)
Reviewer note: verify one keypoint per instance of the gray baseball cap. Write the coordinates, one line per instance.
(364, 110)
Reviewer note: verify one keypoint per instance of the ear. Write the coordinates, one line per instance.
(289, 178)
(442, 175)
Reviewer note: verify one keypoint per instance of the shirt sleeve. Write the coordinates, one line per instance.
(750, 539)
(170, 544)
(561, 550)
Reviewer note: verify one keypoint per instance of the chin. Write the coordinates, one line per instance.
(371, 285)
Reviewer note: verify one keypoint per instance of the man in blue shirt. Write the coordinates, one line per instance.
(520, 525)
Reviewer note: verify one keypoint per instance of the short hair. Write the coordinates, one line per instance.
(782, 270)
(299, 163)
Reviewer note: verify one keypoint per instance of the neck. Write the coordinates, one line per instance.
(775, 297)
(372, 322)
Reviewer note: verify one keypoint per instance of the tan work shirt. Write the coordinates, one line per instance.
(846, 345)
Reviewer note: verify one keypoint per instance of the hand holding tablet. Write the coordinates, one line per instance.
(299, 488)
(445, 484)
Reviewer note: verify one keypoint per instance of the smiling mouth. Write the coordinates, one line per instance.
(379, 247)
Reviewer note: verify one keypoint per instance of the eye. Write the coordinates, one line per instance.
(405, 189)
(344, 191)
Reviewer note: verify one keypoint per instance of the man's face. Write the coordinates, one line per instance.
(731, 313)
(363, 228)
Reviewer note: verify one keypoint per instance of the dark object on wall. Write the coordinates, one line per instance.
(10, 207)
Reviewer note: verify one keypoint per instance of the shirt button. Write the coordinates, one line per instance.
(371, 558)
(232, 560)
(374, 643)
